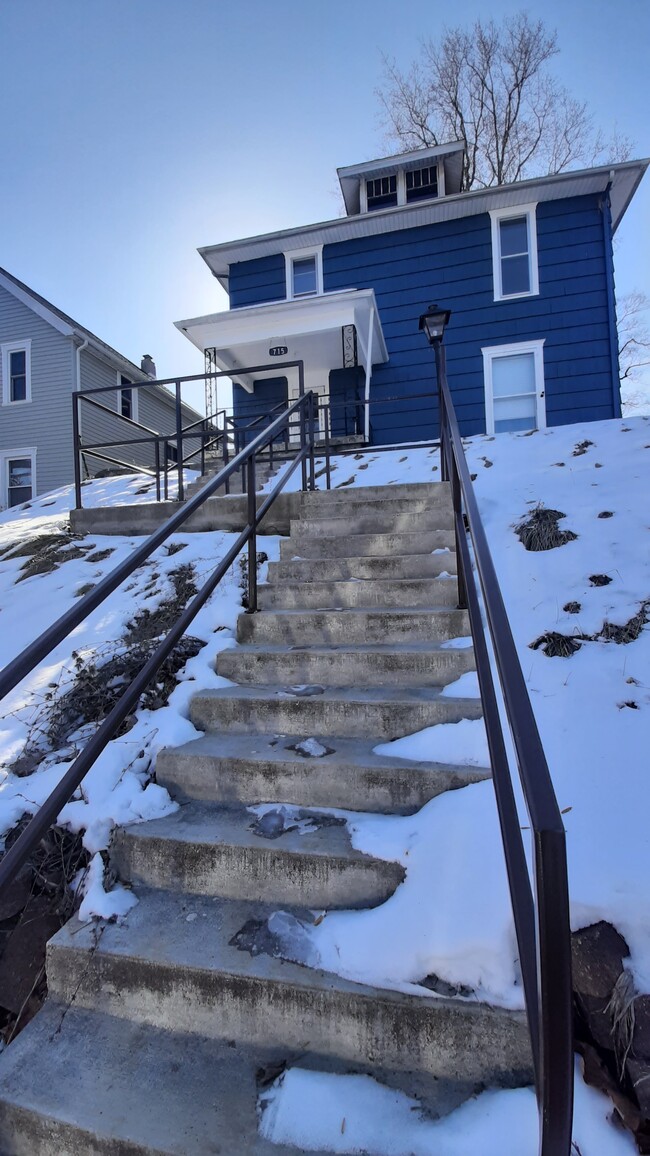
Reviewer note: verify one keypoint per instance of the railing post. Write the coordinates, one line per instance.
(252, 541)
(458, 519)
(179, 441)
(441, 375)
(157, 461)
(77, 451)
(303, 443)
(312, 434)
(328, 419)
(203, 441)
(166, 468)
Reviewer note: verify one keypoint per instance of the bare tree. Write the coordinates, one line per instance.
(491, 87)
(634, 342)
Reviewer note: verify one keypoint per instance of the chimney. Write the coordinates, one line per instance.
(148, 365)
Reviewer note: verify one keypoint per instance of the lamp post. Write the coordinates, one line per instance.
(433, 322)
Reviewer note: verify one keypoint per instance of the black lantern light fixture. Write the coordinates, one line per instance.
(433, 322)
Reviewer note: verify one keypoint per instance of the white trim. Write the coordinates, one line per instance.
(134, 396)
(491, 352)
(7, 456)
(292, 255)
(6, 349)
(529, 211)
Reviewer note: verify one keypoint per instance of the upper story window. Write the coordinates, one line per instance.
(304, 271)
(421, 184)
(128, 399)
(381, 192)
(16, 372)
(514, 252)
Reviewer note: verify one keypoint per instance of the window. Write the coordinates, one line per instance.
(421, 184)
(514, 252)
(17, 477)
(128, 399)
(381, 193)
(304, 271)
(514, 387)
(16, 372)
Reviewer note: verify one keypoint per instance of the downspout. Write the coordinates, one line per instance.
(605, 209)
(366, 416)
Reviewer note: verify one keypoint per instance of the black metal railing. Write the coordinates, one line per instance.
(164, 445)
(541, 915)
(303, 412)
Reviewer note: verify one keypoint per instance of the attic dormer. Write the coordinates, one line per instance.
(405, 179)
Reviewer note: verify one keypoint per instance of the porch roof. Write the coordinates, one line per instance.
(309, 328)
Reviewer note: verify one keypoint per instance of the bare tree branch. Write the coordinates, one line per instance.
(491, 87)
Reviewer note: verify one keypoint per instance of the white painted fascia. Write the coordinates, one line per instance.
(536, 347)
(37, 307)
(292, 318)
(529, 211)
(453, 206)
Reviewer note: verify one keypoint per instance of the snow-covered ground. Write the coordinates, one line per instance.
(119, 788)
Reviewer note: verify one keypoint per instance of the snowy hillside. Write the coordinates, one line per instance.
(578, 613)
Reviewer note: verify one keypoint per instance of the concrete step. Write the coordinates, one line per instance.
(358, 593)
(342, 569)
(419, 491)
(408, 664)
(374, 521)
(162, 969)
(232, 769)
(206, 849)
(78, 1083)
(384, 712)
(322, 545)
(349, 627)
(387, 507)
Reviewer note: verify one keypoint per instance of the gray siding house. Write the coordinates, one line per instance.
(44, 357)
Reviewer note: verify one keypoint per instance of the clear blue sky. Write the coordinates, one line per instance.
(135, 131)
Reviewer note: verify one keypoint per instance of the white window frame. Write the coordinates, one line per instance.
(300, 255)
(134, 397)
(7, 349)
(7, 456)
(490, 353)
(528, 211)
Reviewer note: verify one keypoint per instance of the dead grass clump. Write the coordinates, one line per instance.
(606, 514)
(555, 645)
(153, 624)
(100, 555)
(630, 630)
(46, 552)
(100, 682)
(540, 531)
(572, 608)
(600, 579)
(581, 448)
(261, 558)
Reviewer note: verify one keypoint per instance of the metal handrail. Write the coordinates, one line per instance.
(541, 919)
(179, 433)
(29, 658)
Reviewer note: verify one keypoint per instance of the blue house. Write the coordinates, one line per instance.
(526, 270)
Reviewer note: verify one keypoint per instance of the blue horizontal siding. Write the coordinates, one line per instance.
(251, 282)
(451, 262)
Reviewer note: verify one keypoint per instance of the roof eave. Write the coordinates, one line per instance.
(220, 269)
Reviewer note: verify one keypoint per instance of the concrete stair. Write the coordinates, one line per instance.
(263, 472)
(160, 1028)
